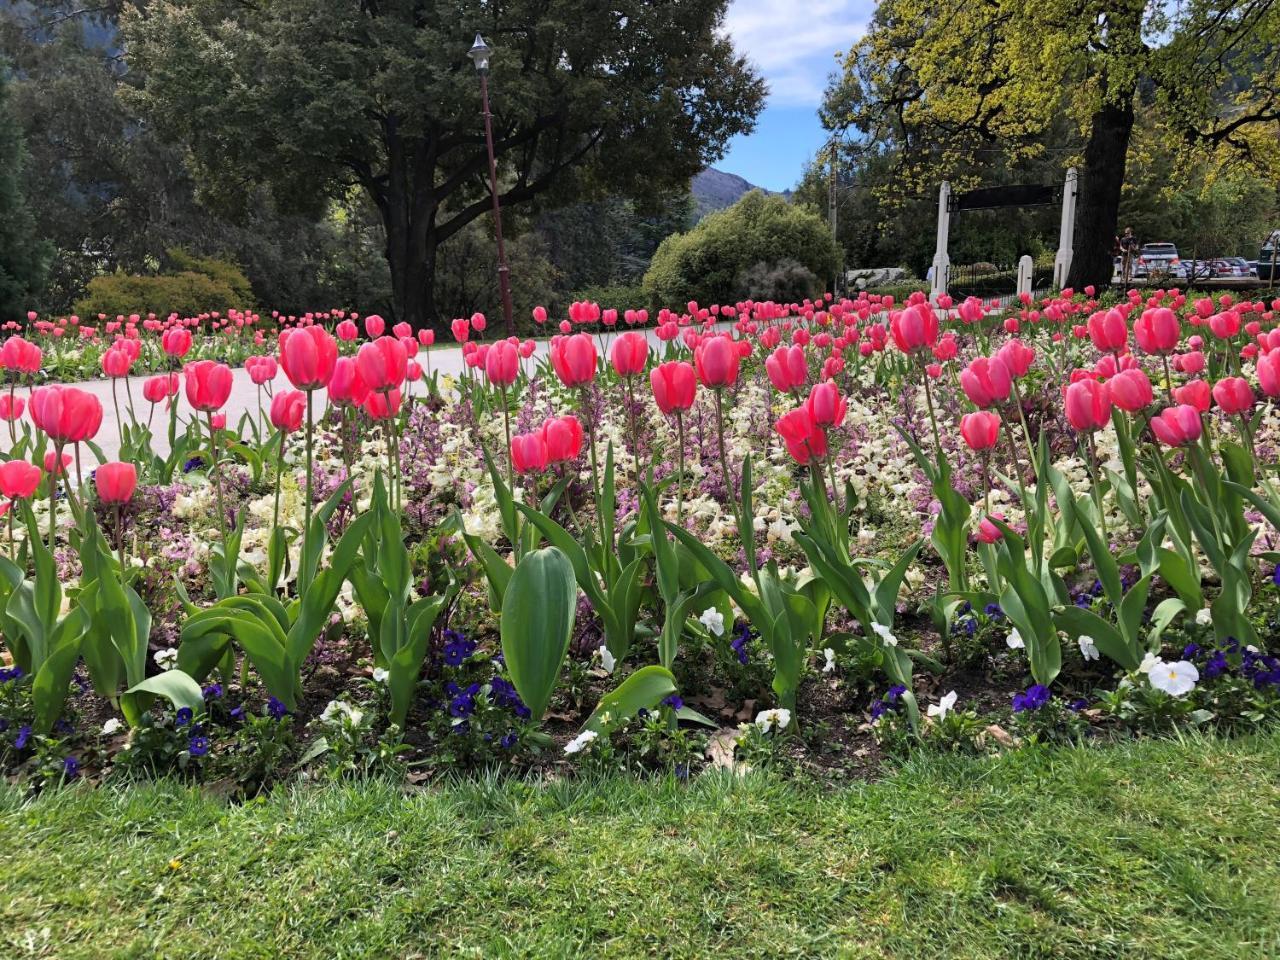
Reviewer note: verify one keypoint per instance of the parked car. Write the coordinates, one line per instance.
(1270, 248)
(1162, 258)
(1231, 267)
(1136, 272)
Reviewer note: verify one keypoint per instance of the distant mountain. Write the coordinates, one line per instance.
(714, 190)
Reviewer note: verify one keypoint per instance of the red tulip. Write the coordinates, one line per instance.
(287, 408)
(116, 363)
(987, 531)
(20, 355)
(402, 330)
(1194, 393)
(382, 363)
(1268, 374)
(804, 439)
(346, 385)
(116, 482)
(1224, 326)
(382, 405)
(1131, 390)
(539, 315)
(674, 385)
(19, 479)
(66, 414)
(1233, 395)
(53, 467)
(11, 407)
(1157, 331)
(161, 387)
(986, 381)
(825, 405)
(1177, 426)
(981, 430)
(308, 355)
(176, 342)
(528, 453)
(787, 368)
(1017, 357)
(502, 363)
(347, 331)
(208, 384)
(1109, 331)
(914, 328)
(1088, 405)
(461, 329)
(716, 360)
(562, 437)
(374, 325)
(629, 354)
(574, 359)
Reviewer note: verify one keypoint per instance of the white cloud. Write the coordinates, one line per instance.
(794, 42)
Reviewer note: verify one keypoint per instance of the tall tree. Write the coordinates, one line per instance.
(23, 256)
(949, 76)
(311, 96)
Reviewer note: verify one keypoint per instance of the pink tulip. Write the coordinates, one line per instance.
(1177, 426)
(787, 369)
(825, 405)
(1195, 393)
(674, 385)
(981, 430)
(629, 353)
(986, 381)
(804, 439)
(562, 437)
(1017, 357)
(716, 361)
(1131, 390)
(1088, 405)
(1157, 330)
(1233, 395)
(287, 408)
(66, 414)
(382, 363)
(208, 384)
(308, 355)
(374, 326)
(528, 453)
(19, 479)
(574, 359)
(116, 482)
(502, 364)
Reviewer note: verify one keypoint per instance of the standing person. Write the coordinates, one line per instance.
(1128, 246)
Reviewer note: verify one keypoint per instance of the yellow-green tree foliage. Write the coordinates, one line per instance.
(943, 78)
(194, 285)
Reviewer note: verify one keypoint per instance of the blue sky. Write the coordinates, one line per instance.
(793, 44)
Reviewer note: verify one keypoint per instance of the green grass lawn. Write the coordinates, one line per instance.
(1156, 849)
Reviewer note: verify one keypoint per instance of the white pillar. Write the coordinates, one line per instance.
(942, 262)
(1026, 267)
(1067, 234)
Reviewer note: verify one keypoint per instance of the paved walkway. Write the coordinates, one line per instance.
(244, 393)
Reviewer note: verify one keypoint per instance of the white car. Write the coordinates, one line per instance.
(1162, 258)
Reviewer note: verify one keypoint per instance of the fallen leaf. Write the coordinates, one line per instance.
(720, 747)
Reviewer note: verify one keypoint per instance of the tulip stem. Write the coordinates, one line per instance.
(53, 493)
(306, 530)
(120, 540)
(13, 436)
(1168, 377)
(1026, 431)
(933, 417)
(115, 400)
(680, 477)
(216, 473)
(745, 534)
(1096, 485)
(275, 512)
(506, 429)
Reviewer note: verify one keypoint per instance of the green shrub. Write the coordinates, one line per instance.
(195, 286)
(619, 296)
(709, 262)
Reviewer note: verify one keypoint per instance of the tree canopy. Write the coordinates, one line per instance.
(312, 97)
(759, 239)
(23, 256)
(943, 81)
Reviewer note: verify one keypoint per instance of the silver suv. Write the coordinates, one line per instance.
(1162, 258)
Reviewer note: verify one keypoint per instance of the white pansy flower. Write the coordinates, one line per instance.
(111, 726)
(767, 720)
(1204, 616)
(580, 742)
(607, 659)
(1014, 640)
(830, 656)
(713, 620)
(885, 634)
(336, 709)
(943, 706)
(1149, 663)
(1176, 679)
(380, 674)
(1088, 649)
(166, 659)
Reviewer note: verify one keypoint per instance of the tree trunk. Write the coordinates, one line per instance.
(1098, 207)
(411, 257)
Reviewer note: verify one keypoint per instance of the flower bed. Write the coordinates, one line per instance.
(971, 529)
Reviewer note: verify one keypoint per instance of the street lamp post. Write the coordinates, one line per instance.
(479, 54)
